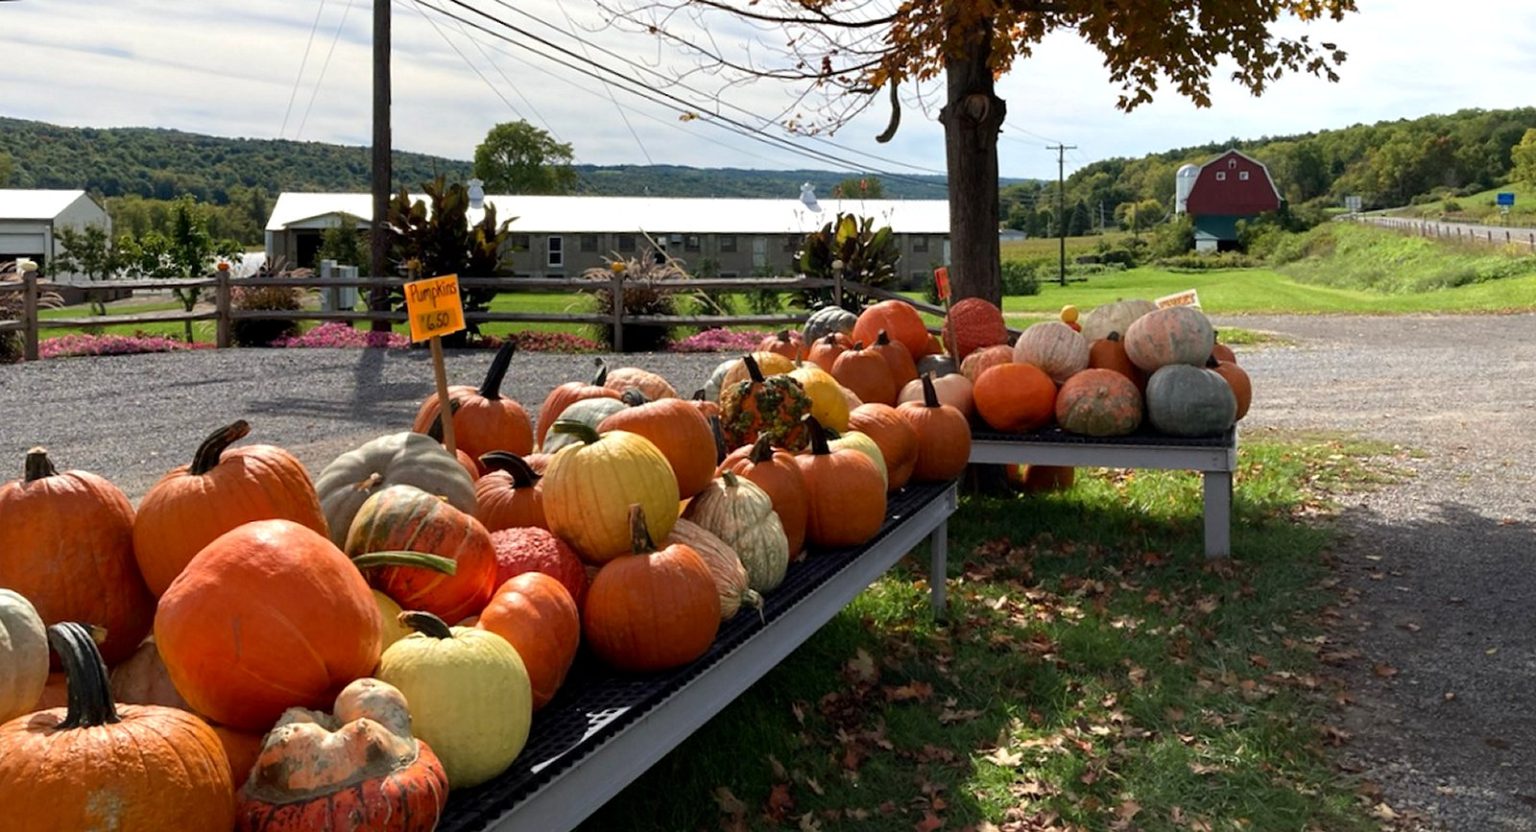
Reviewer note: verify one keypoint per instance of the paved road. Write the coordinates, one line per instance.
(1492, 234)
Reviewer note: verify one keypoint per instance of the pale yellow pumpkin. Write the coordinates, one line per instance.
(589, 487)
(390, 627)
(724, 566)
(828, 404)
(740, 513)
(23, 655)
(469, 695)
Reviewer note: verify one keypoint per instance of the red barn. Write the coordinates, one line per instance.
(1220, 192)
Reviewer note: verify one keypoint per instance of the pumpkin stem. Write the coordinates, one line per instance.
(403, 557)
(751, 598)
(858, 345)
(425, 623)
(754, 372)
(491, 387)
(1113, 336)
(90, 695)
(522, 475)
(883, 339)
(602, 373)
(633, 397)
(1211, 362)
(436, 430)
(762, 450)
(930, 395)
(721, 452)
(639, 536)
(213, 447)
(731, 480)
(699, 396)
(38, 465)
(784, 336)
(818, 436)
(584, 433)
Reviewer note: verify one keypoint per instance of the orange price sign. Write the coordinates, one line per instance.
(941, 283)
(434, 307)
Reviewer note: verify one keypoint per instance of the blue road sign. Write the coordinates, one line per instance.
(1506, 198)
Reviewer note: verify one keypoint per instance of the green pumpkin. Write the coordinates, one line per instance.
(589, 412)
(469, 695)
(772, 406)
(405, 458)
(1190, 401)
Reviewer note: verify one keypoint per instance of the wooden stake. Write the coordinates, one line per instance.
(444, 406)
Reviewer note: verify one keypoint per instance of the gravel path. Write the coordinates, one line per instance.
(1442, 567)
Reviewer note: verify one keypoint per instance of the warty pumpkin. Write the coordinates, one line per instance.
(897, 318)
(483, 419)
(1108, 353)
(893, 435)
(775, 471)
(405, 458)
(569, 393)
(741, 514)
(845, 495)
(1237, 379)
(1190, 401)
(539, 618)
(985, 359)
(1098, 402)
(653, 609)
(679, 431)
(405, 518)
(222, 488)
(537, 550)
(66, 544)
(1015, 398)
(589, 487)
(943, 436)
(508, 496)
(468, 692)
(1053, 347)
(1175, 335)
(724, 566)
(973, 323)
(356, 770)
(23, 655)
(762, 404)
(651, 385)
(269, 616)
(867, 374)
(97, 765)
(897, 357)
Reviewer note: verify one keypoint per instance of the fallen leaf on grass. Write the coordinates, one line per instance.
(728, 802)
(929, 823)
(1385, 812)
(920, 691)
(809, 823)
(862, 667)
(780, 803)
(951, 717)
(1005, 758)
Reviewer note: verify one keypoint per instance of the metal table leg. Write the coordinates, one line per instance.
(938, 568)
(1218, 513)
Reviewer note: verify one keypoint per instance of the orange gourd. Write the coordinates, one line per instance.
(943, 436)
(538, 617)
(893, 435)
(568, 394)
(66, 545)
(508, 496)
(845, 494)
(1237, 379)
(774, 470)
(898, 358)
(1015, 398)
(1108, 353)
(899, 319)
(866, 374)
(680, 431)
(222, 488)
(483, 419)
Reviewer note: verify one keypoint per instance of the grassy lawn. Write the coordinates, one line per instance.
(1051, 246)
(1095, 670)
(1481, 207)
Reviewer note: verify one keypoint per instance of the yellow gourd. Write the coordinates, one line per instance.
(590, 484)
(859, 441)
(389, 620)
(829, 404)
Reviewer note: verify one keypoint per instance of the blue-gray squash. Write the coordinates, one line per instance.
(1190, 401)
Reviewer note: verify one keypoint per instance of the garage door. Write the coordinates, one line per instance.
(15, 245)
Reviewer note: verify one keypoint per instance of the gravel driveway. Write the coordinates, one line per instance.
(1443, 567)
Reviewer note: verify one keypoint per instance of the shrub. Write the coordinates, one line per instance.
(339, 335)
(720, 340)
(139, 342)
(1208, 262)
(261, 332)
(1020, 278)
(640, 297)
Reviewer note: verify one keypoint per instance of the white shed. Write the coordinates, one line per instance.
(29, 220)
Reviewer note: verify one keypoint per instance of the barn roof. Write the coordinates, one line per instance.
(630, 214)
(27, 204)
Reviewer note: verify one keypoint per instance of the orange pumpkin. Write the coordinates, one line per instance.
(652, 609)
(568, 394)
(221, 489)
(268, 616)
(824, 352)
(973, 323)
(66, 545)
(1222, 352)
(893, 435)
(1099, 403)
(98, 765)
(899, 319)
(538, 550)
(508, 496)
(774, 470)
(241, 748)
(536, 615)
(953, 389)
(845, 494)
(1015, 398)
(1237, 379)
(679, 431)
(943, 436)
(788, 343)
(1033, 479)
(467, 462)
(985, 359)
(483, 419)
(403, 517)
(706, 407)
(866, 374)
(897, 357)
(1108, 353)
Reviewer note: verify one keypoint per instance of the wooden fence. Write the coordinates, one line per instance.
(224, 314)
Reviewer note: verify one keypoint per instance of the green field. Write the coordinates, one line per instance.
(1480, 207)
(1051, 246)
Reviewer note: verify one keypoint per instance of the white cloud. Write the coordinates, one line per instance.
(228, 68)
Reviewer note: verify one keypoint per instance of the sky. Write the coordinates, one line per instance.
(300, 69)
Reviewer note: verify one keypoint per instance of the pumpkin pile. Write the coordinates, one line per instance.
(337, 652)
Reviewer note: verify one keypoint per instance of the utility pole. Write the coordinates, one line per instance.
(378, 260)
(1061, 205)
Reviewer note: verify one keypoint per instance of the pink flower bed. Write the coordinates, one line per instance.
(340, 335)
(720, 340)
(531, 341)
(68, 345)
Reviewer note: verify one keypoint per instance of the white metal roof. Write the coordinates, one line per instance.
(628, 214)
(16, 204)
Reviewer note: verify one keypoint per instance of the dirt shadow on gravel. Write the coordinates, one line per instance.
(1438, 638)
(373, 400)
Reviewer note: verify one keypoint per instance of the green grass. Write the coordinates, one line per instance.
(1481, 207)
(1051, 246)
(1095, 668)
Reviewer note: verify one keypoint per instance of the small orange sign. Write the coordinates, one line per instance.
(434, 307)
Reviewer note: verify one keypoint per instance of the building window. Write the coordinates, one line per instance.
(589, 242)
(626, 242)
(521, 242)
(556, 252)
(1242, 176)
(691, 243)
(1221, 176)
(1231, 163)
(727, 242)
(920, 243)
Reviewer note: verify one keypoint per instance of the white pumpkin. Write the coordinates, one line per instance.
(23, 656)
(740, 513)
(1113, 317)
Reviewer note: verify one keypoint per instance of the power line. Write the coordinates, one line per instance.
(528, 102)
(608, 88)
(302, 63)
(465, 59)
(336, 36)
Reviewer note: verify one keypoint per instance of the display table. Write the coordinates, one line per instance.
(1215, 458)
(604, 729)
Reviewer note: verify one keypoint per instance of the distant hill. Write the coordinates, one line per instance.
(155, 163)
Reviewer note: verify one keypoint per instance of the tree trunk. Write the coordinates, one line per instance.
(972, 118)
